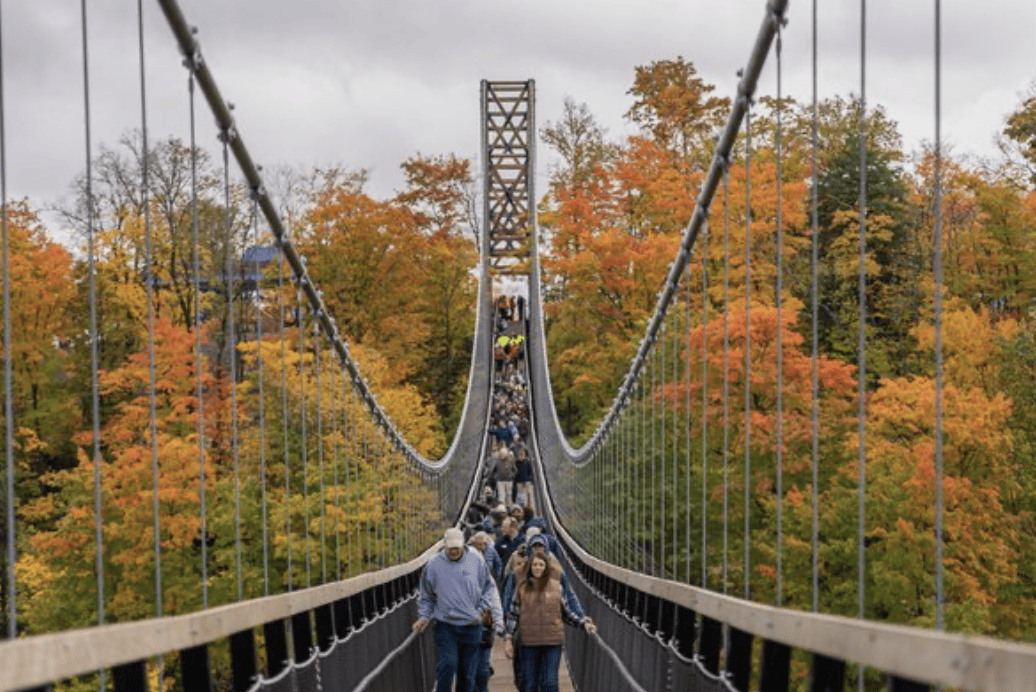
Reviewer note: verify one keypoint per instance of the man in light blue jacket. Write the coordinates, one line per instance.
(456, 590)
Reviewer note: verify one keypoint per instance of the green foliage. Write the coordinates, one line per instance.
(1021, 129)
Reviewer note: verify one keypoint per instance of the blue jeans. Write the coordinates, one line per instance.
(458, 649)
(540, 668)
(485, 670)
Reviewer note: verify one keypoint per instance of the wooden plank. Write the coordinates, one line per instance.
(503, 672)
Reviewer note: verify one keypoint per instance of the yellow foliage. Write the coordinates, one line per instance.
(971, 341)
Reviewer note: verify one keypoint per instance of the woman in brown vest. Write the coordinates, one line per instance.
(539, 613)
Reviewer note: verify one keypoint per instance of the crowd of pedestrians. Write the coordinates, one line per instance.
(501, 578)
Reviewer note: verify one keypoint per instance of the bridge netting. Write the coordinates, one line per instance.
(651, 534)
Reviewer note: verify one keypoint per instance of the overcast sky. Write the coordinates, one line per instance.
(369, 83)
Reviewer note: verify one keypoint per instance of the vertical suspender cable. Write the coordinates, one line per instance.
(284, 410)
(628, 491)
(348, 464)
(780, 329)
(595, 497)
(624, 487)
(613, 488)
(604, 458)
(624, 490)
(654, 459)
(301, 305)
(232, 358)
(636, 497)
(748, 337)
(199, 361)
(676, 432)
(601, 499)
(642, 470)
(938, 324)
(334, 436)
(95, 400)
(377, 456)
(704, 393)
(146, 201)
(621, 459)
(641, 479)
(12, 556)
(258, 304)
(661, 449)
(704, 409)
(346, 442)
(814, 442)
(379, 527)
(598, 514)
(367, 524)
(726, 377)
(607, 511)
(407, 502)
(318, 346)
(400, 516)
(862, 337)
(595, 480)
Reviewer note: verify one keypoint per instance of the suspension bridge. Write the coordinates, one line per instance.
(668, 583)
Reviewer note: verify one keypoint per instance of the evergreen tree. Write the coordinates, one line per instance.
(892, 261)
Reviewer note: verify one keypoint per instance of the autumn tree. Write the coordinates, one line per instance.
(610, 241)
(182, 184)
(440, 197)
(62, 554)
(981, 539)
(1020, 134)
(41, 290)
(580, 141)
(377, 499)
(892, 261)
(673, 105)
(43, 399)
(360, 253)
(987, 230)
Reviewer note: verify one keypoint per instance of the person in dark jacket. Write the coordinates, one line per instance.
(552, 543)
(494, 523)
(523, 479)
(507, 543)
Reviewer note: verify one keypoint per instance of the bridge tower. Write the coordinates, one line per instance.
(508, 163)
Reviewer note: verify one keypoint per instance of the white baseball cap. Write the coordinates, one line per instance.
(453, 538)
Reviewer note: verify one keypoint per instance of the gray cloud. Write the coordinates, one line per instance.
(368, 84)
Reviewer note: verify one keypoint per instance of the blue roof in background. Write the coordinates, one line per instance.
(261, 254)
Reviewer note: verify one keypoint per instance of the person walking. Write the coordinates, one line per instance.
(506, 470)
(523, 479)
(506, 544)
(484, 669)
(483, 543)
(456, 591)
(537, 615)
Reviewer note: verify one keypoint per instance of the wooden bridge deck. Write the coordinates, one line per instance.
(503, 675)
